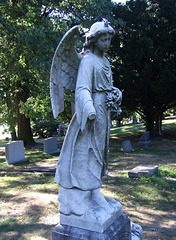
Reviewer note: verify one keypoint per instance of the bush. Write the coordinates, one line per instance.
(45, 129)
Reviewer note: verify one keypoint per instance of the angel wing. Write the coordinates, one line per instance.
(64, 69)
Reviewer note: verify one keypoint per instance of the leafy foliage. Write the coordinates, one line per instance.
(29, 34)
(143, 57)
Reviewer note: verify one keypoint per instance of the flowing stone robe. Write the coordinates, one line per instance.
(84, 150)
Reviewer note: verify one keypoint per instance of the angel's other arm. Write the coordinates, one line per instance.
(83, 96)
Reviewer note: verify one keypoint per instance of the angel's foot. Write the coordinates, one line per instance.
(64, 209)
(98, 197)
(73, 201)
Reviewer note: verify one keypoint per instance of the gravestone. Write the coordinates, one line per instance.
(50, 146)
(145, 140)
(126, 145)
(142, 171)
(61, 130)
(14, 152)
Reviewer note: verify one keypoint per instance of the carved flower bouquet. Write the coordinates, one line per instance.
(113, 101)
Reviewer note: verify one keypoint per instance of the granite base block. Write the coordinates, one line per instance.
(95, 219)
(120, 229)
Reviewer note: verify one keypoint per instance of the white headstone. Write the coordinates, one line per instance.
(14, 152)
(50, 146)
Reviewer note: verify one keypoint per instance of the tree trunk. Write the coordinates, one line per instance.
(24, 127)
(149, 124)
(158, 125)
(13, 134)
(134, 118)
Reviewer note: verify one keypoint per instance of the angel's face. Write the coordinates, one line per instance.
(103, 43)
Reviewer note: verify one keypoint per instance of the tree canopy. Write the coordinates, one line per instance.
(142, 55)
(29, 34)
(144, 58)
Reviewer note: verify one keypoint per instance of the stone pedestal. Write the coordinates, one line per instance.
(95, 218)
(120, 229)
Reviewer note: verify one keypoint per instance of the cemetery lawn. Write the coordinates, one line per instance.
(29, 205)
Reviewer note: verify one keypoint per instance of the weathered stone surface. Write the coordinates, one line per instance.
(84, 154)
(50, 146)
(95, 218)
(14, 152)
(50, 168)
(144, 143)
(120, 229)
(145, 140)
(145, 136)
(142, 170)
(126, 145)
(136, 231)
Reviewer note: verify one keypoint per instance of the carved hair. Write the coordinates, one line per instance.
(97, 29)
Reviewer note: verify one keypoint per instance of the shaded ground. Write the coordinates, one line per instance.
(29, 205)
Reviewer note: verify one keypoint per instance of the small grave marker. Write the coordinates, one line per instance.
(142, 171)
(45, 170)
(14, 152)
(50, 146)
(126, 145)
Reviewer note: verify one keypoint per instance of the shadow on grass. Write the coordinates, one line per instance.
(25, 216)
(13, 230)
(155, 191)
(22, 182)
(34, 158)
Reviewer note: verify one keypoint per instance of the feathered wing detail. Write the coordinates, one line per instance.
(64, 69)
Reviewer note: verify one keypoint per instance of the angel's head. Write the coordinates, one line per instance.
(98, 30)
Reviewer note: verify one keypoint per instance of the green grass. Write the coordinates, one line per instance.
(147, 196)
(128, 129)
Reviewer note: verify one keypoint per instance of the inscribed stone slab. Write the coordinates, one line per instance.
(14, 152)
(142, 170)
(45, 168)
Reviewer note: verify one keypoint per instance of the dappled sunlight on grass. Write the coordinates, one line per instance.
(28, 213)
(35, 158)
(128, 129)
(29, 202)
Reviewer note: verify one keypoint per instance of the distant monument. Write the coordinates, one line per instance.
(84, 212)
(145, 140)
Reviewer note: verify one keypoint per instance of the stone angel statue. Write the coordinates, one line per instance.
(84, 155)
